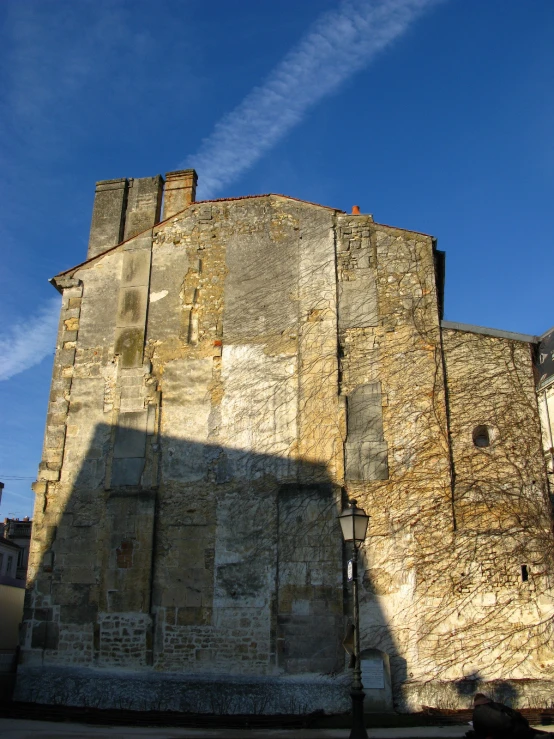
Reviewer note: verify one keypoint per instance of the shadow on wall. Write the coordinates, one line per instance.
(186, 565)
(498, 690)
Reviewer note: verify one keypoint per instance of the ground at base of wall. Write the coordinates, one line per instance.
(21, 729)
(426, 723)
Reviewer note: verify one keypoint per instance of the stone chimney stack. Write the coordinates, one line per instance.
(122, 209)
(108, 216)
(180, 191)
(144, 202)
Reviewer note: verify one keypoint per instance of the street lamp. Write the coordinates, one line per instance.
(353, 522)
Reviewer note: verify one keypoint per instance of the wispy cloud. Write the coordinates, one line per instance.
(338, 44)
(27, 342)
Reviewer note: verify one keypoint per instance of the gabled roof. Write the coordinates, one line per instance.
(216, 200)
(407, 230)
(175, 215)
(496, 332)
(266, 195)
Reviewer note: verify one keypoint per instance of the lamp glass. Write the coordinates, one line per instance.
(353, 522)
(360, 526)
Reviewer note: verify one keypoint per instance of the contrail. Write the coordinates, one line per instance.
(28, 342)
(339, 43)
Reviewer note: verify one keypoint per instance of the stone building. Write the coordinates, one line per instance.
(226, 374)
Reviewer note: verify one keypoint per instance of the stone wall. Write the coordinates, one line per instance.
(394, 354)
(223, 380)
(201, 432)
(501, 570)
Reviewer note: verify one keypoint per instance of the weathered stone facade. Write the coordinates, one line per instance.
(223, 379)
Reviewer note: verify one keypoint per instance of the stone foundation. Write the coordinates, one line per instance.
(151, 691)
(458, 694)
(230, 694)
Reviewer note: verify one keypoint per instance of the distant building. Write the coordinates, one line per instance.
(10, 553)
(13, 559)
(19, 533)
(225, 378)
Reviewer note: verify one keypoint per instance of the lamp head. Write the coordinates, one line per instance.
(353, 522)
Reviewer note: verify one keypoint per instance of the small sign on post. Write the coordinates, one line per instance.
(351, 570)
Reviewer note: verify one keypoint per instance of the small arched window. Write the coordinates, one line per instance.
(481, 437)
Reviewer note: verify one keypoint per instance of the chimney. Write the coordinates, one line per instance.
(179, 192)
(122, 209)
(356, 210)
(108, 216)
(144, 201)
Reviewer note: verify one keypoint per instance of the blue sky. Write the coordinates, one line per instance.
(434, 115)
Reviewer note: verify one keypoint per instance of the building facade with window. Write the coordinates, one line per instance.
(9, 556)
(19, 533)
(12, 592)
(227, 374)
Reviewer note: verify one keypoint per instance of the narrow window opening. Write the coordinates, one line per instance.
(481, 437)
(524, 573)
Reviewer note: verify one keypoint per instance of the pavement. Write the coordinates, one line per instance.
(22, 729)
(11, 728)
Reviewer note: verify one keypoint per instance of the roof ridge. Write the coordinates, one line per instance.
(498, 333)
(265, 195)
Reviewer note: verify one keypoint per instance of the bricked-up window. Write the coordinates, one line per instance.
(366, 449)
(524, 573)
(481, 437)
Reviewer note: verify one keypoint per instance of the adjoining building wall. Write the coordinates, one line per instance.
(12, 594)
(490, 606)
(545, 394)
(11, 612)
(19, 533)
(496, 433)
(223, 381)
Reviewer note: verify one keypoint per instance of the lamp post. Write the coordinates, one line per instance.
(354, 521)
